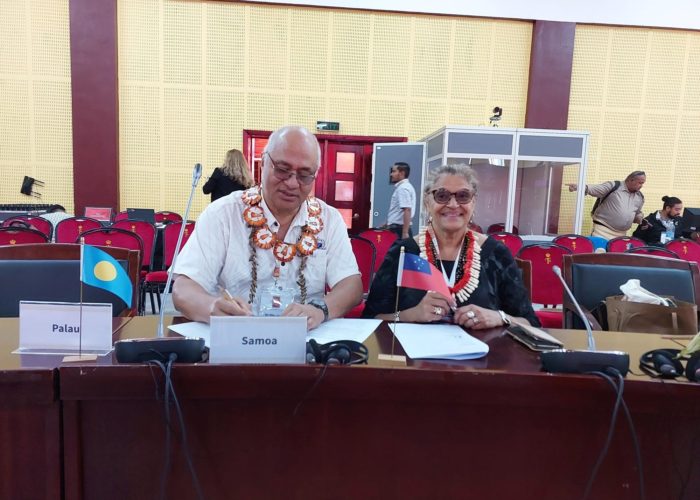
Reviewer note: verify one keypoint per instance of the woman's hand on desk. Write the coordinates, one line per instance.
(432, 307)
(477, 318)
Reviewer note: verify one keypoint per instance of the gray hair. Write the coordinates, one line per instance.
(461, 170)
(636, 173)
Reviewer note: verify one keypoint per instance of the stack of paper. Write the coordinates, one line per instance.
(438, 342)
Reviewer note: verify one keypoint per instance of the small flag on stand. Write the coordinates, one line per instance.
(416, 272)
(99, 269)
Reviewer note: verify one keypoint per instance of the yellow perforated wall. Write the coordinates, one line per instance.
(193, 75)
(35, 100)
(638, 93)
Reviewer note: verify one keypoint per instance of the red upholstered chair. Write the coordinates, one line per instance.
(382, 239)
(68, 230)
(575, 242)
(623, 243)
(20, 235)
(658, 251)
(113, 237)
(499, 228)
(685, 249)
(165, 217)
(147, 233)
(123, 215)
(512, 241)
(38, 223)
(475, 227)
(546, 287)
(154, 282)
(366, 255)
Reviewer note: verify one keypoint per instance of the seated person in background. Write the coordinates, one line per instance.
(483, 277)
(55, 214)
(251, 242)
(660, 227)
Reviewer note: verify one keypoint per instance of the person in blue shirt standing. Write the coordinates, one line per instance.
(403, 201)
(660, 227)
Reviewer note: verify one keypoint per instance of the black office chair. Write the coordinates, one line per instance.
(593, 277)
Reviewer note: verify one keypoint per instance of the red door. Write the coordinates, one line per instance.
(344, 182)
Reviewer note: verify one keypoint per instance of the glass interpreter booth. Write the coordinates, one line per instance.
(523, 175)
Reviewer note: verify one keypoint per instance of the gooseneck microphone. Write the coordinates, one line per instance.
(569, 361)
(196, 175)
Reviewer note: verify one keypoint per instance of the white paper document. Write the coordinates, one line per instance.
(331, 331)
(344, 329)
(438, 342)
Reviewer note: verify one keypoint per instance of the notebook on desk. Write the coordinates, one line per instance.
(144, 214)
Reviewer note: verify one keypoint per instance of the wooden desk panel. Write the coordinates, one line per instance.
(490, 428)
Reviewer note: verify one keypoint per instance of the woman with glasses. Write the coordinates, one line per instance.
(233, 175)
(485, 283)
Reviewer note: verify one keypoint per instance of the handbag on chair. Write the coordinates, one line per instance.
(627, 316)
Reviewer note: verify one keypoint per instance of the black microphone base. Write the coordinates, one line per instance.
(188, 350)
(565, 361)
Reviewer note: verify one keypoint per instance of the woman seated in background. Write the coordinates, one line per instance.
(485, 282)
(660, 227)
(233, 175)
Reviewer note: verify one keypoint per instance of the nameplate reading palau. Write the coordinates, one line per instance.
(64, 328)
(257, 340)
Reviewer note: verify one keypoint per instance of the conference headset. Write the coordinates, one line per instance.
(664, 363)
(343, 352)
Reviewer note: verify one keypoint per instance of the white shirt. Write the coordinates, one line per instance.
(404, 197)
(54, 218)
(218, 251)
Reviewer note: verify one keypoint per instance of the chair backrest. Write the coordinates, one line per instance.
(123, 215)
(52, 273)
(146, 231)
(382, 239)
(39, 223)
(20, 235)
(575, 242)
(162, 217)
(499, 228)
(659, 251)
(170, 235)
(512, 241)
(366, 255)
(68, 230)
(546, 287)
(525, 267)
(624, 243)
(475, 227)
(114, 238)
(593, 277)
(685, 249)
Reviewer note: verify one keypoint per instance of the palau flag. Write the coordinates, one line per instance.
(416, 272)
(101, 270)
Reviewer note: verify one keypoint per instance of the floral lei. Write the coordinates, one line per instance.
(468, 266)
(261, 236)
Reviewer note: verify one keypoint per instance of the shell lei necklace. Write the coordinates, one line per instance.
(468, 265)
(261, 236)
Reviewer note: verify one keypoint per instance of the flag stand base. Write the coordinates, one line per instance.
(82, 357)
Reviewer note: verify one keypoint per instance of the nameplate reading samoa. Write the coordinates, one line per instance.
(264, 340)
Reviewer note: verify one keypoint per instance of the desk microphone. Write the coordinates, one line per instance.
(187, 349)
(568, 361)
(196, 175)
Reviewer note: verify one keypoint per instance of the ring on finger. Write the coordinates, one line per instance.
(470, 314)
(437, 311)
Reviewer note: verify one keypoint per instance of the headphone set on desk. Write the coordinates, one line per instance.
(343, 352)
(664, 363)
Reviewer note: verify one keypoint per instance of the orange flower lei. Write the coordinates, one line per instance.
(264, 238)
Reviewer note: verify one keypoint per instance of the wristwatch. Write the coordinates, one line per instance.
(504, 318)
(320, 304)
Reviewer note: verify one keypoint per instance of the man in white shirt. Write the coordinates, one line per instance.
(253, 250)
(403, 201)
(55, 214)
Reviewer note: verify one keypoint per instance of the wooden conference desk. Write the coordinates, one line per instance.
(490, 428)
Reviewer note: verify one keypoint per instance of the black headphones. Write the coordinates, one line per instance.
(343, 352)
(664, 363)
